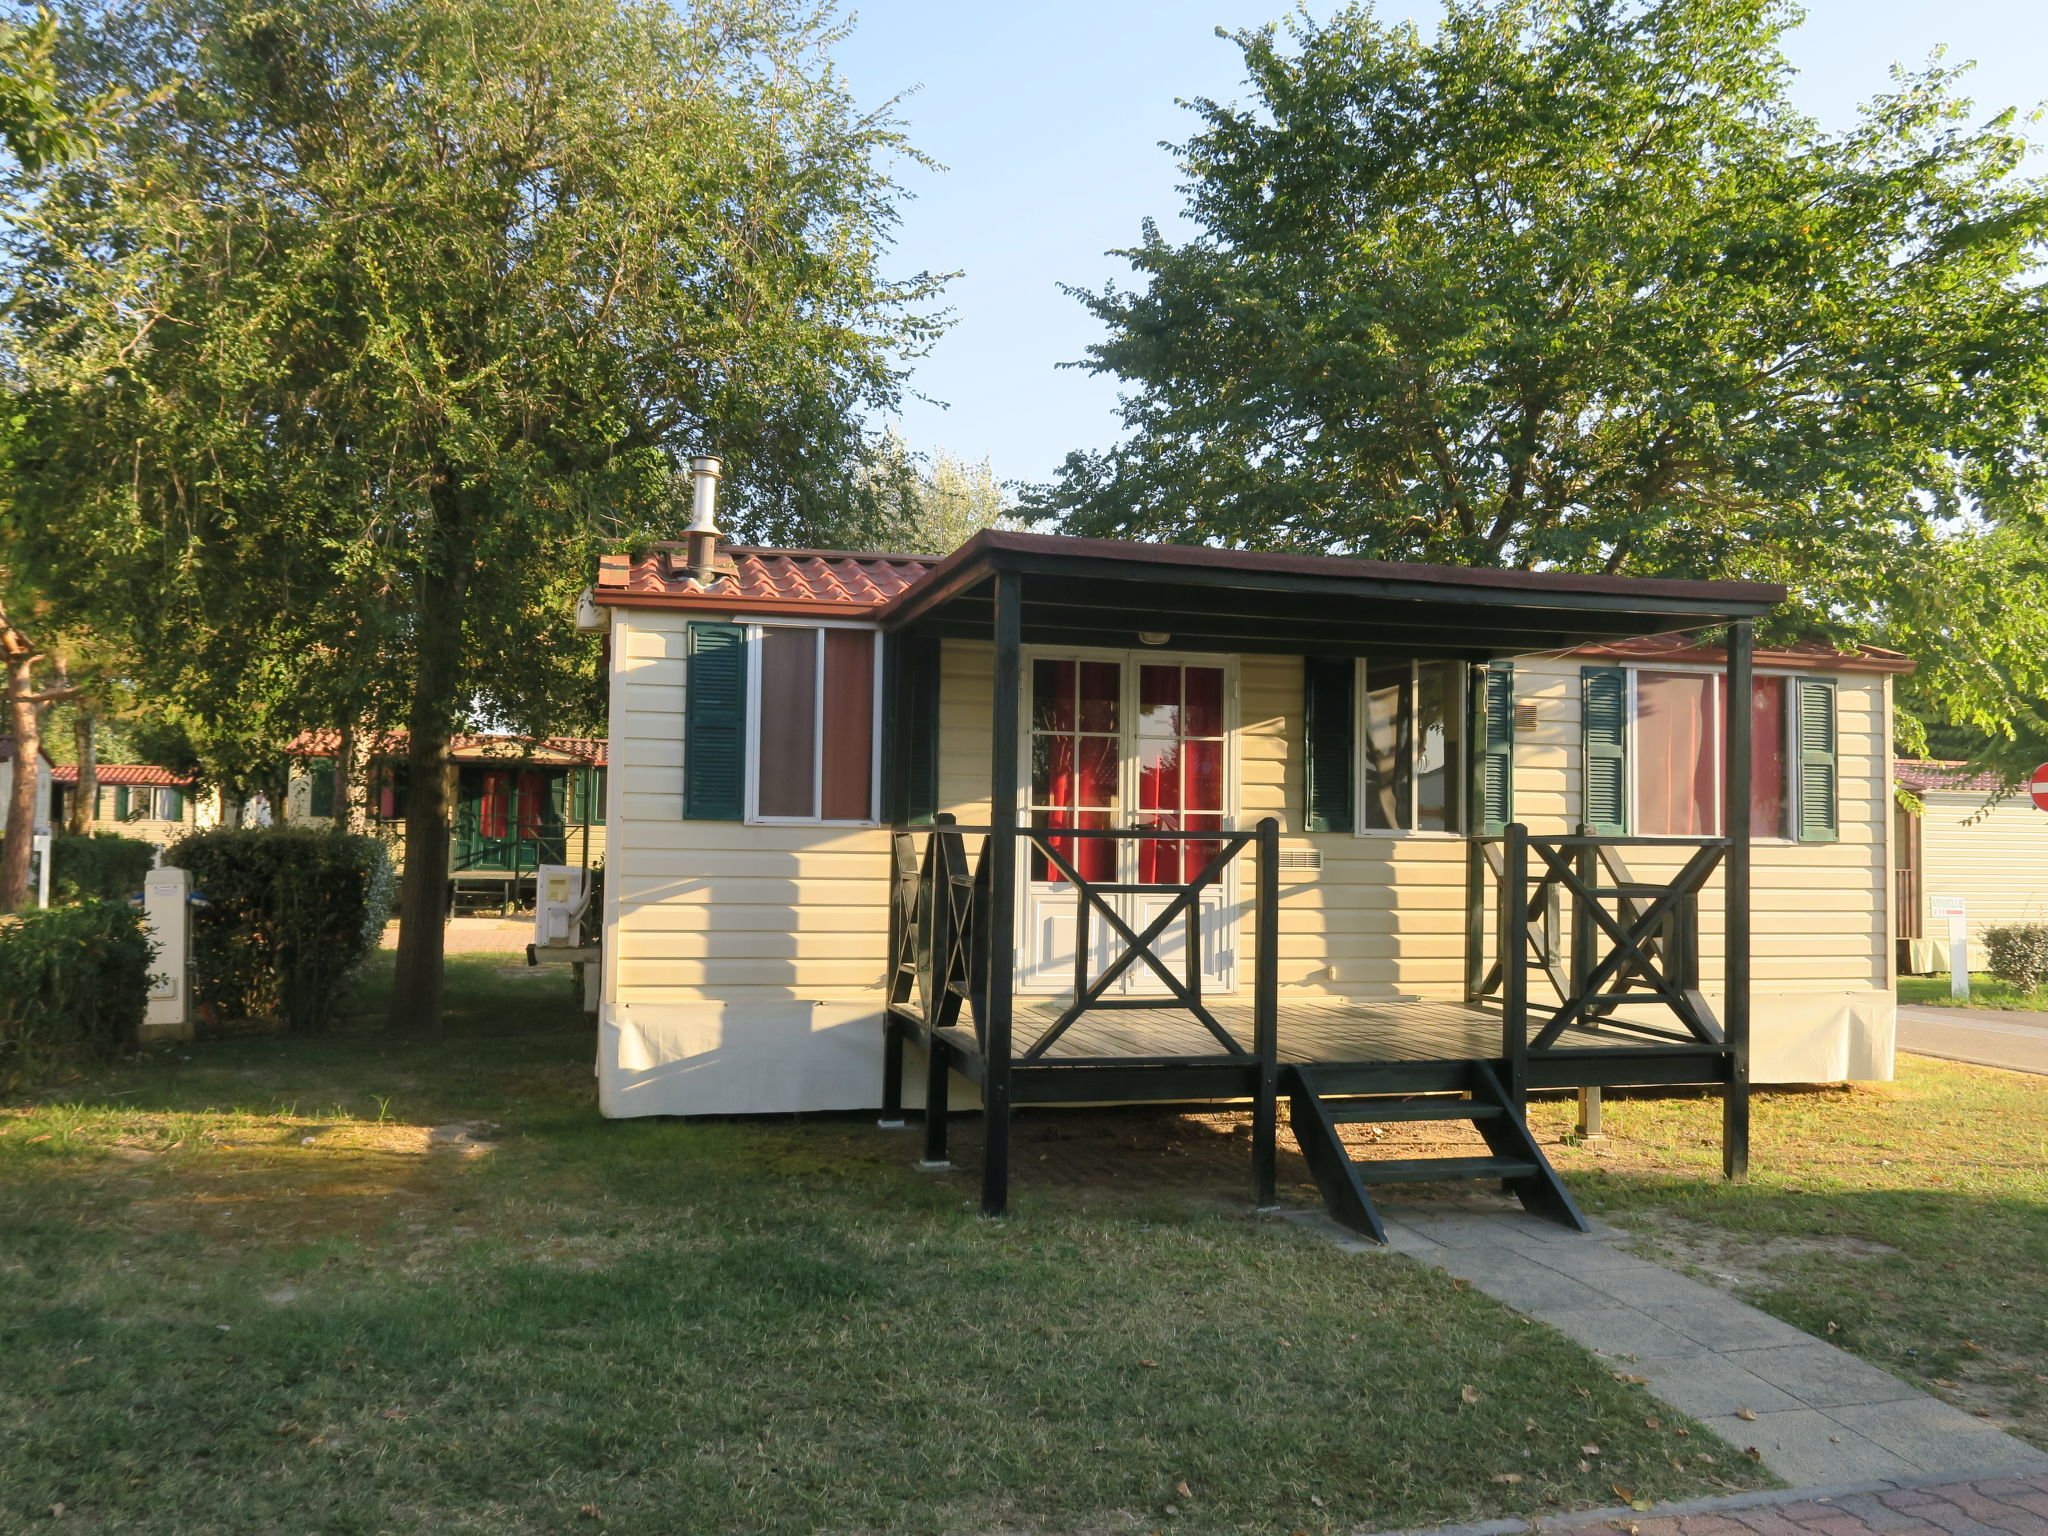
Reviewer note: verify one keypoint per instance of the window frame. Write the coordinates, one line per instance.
(1788, 724)
(755, 625)
(1461, 766)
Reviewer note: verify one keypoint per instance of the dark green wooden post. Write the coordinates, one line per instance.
(1735, 968)
(1266, 1016)
(1514, 964)
(1001, 927)
(1475, 829)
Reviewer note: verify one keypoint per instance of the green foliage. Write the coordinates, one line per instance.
(286, 915)
(1573, 286)
(2018, 953)
(74, 981)
(931, 504)
(606, 235)
(102, 866)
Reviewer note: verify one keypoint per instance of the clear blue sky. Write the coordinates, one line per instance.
(1049, 115)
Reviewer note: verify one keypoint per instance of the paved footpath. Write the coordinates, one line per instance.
(1990, 1037)
(1816, 1415)
(1988, 1506)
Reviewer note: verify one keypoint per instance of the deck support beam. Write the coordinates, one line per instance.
(1266, 1018)
(1001, 919)
(938, 1099)
(1735, 823)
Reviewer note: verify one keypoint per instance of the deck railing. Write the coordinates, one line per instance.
(940, 943)
(1602, 936)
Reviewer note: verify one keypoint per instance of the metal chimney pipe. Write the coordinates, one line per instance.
(702, 535)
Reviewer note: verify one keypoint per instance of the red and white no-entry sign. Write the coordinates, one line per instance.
(2040, 786)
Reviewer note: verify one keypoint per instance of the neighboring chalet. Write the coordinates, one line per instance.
(135, 800)
(519, 803)
(42, 780)
(1066, 820)
(1968, 841)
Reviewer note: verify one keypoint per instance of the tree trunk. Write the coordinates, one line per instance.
(25, 723)
(85, 794)
(423, 890)
(351, 791)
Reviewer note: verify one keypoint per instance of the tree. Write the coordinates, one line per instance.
(1572, 286)
(931, 504)
(30, 689)
(400, 310)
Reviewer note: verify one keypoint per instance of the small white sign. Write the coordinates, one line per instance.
(1945, 906)
(1951, 907)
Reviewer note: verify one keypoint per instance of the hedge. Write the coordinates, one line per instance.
(281, 918)
(101, 865)
(74, 982)
(2018, 953)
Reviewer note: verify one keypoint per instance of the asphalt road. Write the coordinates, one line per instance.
(1987, 1036)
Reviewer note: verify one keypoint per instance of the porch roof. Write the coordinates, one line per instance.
(1099, 591)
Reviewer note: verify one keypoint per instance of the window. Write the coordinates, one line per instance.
(811, 724)
(1412, 734)
(320, 788)
(387, 792)
(1655, 754)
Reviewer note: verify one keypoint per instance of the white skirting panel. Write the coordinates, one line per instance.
(738, 1058)
(1821, 1037)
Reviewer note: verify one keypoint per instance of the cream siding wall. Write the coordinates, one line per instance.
(745, 966)
(1997, 864)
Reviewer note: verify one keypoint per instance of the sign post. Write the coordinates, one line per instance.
(1951, 907)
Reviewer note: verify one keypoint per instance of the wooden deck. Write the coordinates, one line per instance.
(1311, 1030)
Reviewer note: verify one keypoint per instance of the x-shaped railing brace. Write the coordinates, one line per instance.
(1628, 945)
(1139, 945)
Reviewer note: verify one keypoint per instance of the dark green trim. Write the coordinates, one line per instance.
(715, 724)
(1330, 731)
(919, 739)
(1603, 768)
(1816, 798)
(1498, 774)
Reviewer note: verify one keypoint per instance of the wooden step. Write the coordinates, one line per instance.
(1428, 1170)
(1387, 1111)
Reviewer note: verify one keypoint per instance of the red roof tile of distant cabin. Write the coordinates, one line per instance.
(1920, 777)
(761, 580)
(124, 773)
(1809, 655)
(541, 751)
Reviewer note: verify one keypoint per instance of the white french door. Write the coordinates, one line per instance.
(1127, 739)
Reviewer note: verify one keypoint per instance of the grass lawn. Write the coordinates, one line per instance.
(353, 1285)
(1986, 991)
(1906, 1221)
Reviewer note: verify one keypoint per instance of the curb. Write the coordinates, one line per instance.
(1624, 1515)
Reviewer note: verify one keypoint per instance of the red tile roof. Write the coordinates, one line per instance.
(797, 582)
(123, 773)
(763, 580)
(1811, 655)
(583, 751)
(1920, 777)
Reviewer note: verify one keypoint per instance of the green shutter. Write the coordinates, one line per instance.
(1603, 717)
(1499, 808)
(919, 680)
(586, 796)
(1814, 716)
(715, 724)
(1329, 710)
(171, 804)
(120, 802)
